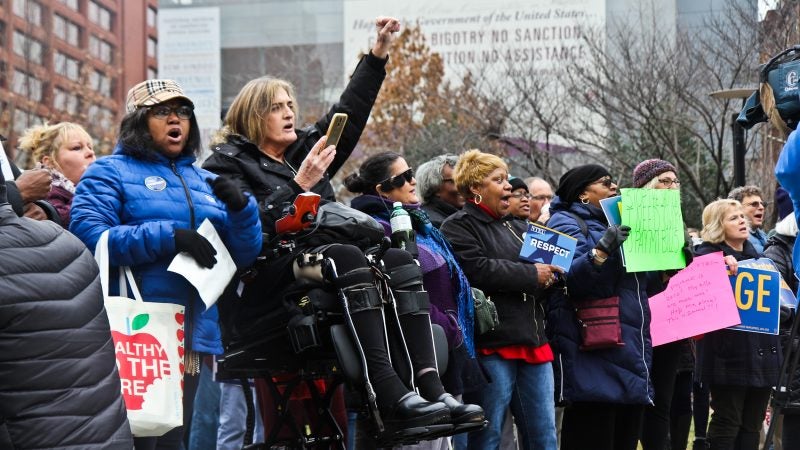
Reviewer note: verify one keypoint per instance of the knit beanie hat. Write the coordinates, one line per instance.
(649, 169)
(575, 180)
(783, 203)
(517, 183)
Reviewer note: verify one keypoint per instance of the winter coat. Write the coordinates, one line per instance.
(616, 375)
(787, 171)
(142, 203)
(779, 249)
(272, 183)
(438, 210)
(488, 251)
(59, 386)
(737, 358)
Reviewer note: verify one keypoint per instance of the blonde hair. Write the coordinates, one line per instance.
(713, 216)
(246, 114)
(44, 140)
(472, 167)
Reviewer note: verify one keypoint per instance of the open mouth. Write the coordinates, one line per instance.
(504, 201)
(758, 217)
(288, 127)
(174, 135)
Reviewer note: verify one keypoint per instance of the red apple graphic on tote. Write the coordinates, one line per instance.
(141, 360)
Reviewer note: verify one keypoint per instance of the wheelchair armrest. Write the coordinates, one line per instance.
(346, 353)
(440, 346)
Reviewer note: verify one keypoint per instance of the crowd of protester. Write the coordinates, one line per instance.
(527, 377)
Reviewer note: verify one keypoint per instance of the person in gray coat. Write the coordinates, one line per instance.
(59, 386)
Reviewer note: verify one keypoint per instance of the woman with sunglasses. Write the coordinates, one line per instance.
(383, 179)
(515, 354)
(605, 391)
(262, 151)
(151, 199)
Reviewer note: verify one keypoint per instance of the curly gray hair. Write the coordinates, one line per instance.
(429, 175)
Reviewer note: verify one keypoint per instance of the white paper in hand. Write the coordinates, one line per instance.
(209, 282)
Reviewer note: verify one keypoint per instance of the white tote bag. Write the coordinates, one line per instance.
(148, 343)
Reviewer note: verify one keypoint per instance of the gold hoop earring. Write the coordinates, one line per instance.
(478, 198)
(585, 200)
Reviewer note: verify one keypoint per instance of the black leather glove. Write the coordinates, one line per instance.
(614, 236)
(228, 192)
(196, 245)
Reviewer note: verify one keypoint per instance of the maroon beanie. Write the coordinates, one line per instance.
(649, 169)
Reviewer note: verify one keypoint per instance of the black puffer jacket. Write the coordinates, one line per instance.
(59, 386)
(488, 251)
(779, 250)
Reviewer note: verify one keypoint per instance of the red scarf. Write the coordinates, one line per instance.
(488, 211)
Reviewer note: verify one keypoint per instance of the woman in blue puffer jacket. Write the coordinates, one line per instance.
(151, 199)
(605, 390)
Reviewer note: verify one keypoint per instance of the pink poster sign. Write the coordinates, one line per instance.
(698, 299)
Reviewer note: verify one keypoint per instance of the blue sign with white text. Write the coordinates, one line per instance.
(543, 245)
(757, 294)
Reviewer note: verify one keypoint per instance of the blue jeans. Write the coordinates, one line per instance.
(233, 418)
(528, 389)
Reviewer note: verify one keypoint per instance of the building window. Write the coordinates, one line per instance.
(2, 34)
(100, 15)
(152, 16)
(71, 4)
(152, 48)
(66, 30)
(66, 66)
(64, 101)
(27, 47)
(29, 10)
(100, 83)
(100, 49)
(27, 86)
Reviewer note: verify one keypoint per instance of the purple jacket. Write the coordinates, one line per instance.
(436, 274)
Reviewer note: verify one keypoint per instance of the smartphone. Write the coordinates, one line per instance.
(335, 128)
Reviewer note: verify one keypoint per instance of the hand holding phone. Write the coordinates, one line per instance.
(336, 128)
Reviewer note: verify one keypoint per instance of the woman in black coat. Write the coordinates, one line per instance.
(739, 367)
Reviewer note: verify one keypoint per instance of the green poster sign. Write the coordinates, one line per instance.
(656, 222)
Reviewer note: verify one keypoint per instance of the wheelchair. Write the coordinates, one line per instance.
(310, 351)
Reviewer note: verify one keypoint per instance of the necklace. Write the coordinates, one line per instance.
(294, 171)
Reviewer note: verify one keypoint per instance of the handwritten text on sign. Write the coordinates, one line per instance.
(697, 300)
(656, 222)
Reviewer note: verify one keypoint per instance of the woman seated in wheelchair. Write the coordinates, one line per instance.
(386, 178)
(260, 149)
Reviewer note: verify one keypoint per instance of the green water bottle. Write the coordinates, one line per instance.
(403, 236)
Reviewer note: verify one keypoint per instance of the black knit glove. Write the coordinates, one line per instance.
(196, 245)
(228, 192)
(614, 236)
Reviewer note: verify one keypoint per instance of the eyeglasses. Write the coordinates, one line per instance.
(522, 195)
(397, 181)
(542, 197)
(669, 181)
(607, 182)
(162, 111)
(754, 204)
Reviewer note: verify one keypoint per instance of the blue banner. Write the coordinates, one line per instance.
(547, 246)
(757, 294)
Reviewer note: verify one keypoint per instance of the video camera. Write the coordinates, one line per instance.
(777, 98)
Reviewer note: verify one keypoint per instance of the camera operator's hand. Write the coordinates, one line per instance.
(193, 243)
(316, 163)
(613, 238)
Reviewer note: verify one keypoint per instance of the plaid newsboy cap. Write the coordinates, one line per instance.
(153, 92)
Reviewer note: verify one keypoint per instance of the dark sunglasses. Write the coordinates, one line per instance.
(607, 182)
(397, 181)
(163, 111)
